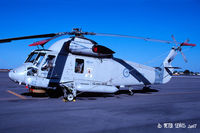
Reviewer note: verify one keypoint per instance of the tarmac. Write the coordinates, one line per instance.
(173, 107)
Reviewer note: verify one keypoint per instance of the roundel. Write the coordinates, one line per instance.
(126, 72)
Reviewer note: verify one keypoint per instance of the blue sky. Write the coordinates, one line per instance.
(146, 18)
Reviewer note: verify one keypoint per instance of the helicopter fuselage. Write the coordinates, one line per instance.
(80, 64)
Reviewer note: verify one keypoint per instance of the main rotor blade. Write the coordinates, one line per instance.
(143, 38)
(29, 37)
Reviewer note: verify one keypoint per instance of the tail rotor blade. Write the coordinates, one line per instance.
(175, 40)
(186, 41)
(184, 57)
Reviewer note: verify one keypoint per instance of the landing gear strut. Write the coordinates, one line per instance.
(69, 94)
(131, 92)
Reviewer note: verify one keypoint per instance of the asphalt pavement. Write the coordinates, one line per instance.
(173, 107)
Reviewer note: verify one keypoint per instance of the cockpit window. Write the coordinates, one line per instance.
(48, 64)
(31, 57)
(39, 59)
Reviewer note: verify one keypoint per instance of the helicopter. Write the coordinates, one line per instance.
(78, 64)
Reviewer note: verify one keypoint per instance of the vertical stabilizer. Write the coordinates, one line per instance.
(167, 69)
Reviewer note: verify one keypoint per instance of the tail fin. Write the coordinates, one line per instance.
(164, 73)
(167, 68)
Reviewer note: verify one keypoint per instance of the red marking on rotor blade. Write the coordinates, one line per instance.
(187, 44)
(40, 42)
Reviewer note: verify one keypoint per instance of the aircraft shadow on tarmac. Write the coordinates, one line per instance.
(89, 96)
(34, 94)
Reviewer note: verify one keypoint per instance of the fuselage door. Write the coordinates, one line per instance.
(47, 66)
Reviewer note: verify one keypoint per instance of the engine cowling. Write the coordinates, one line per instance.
(84, 46)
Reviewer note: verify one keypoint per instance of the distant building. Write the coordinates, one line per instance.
(186, 72)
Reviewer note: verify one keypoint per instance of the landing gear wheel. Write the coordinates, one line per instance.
(69, 94)
(70, 97)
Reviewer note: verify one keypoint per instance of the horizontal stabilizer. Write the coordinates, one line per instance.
(173, 67)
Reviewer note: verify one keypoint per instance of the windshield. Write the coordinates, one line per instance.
(31, 57)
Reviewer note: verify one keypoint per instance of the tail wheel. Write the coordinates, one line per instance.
(131, 93)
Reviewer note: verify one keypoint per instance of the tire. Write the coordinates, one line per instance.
(70, 97)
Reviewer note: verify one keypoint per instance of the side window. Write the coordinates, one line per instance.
(79, 66)
(39, 59)
(48, 64)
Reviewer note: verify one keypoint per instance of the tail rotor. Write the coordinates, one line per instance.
(179, 46)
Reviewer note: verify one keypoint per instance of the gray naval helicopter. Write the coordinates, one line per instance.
(78, 64)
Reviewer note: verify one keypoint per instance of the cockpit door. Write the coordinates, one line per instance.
(47, 66)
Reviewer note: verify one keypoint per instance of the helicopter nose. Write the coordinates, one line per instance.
(17, 75)
(10, 74)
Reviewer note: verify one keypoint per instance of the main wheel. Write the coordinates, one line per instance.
(70, 97)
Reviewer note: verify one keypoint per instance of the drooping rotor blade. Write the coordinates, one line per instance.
(77, 32)
(146, 39)
(127, 36)
(184, 57)
(31, 37)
